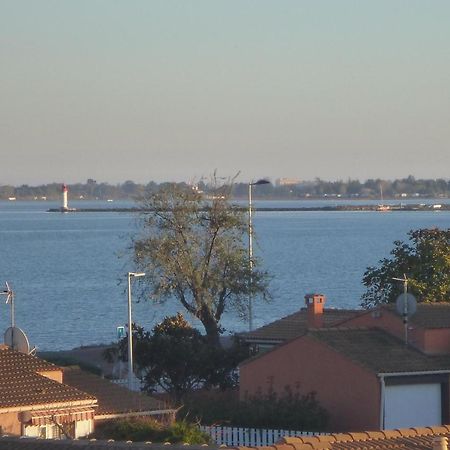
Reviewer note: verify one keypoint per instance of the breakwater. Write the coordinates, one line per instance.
(347, 207)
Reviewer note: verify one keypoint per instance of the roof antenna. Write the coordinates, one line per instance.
(406, 304)
(9, 293)
(14, 337)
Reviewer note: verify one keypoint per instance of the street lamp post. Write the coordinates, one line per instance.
(250, 249)
(130, 331)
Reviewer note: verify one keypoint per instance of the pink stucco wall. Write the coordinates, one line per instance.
(349, 393)
(436, 341)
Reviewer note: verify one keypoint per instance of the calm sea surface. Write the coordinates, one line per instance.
(68, 271)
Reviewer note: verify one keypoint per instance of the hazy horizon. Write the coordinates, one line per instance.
(171, 90)
(207, 179)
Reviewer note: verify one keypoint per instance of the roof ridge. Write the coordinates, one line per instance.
(339, 328)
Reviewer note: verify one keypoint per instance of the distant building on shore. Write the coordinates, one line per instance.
(288, 182)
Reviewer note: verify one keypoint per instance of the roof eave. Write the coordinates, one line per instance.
(33, 407)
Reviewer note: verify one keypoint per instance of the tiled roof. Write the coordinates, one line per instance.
(11, 360)
(401, 439)
(429, 315)
(296, 324)
(13, 443)
(28, 389)
(379, 351)
(112, 399)
(408, 438)
(21, 384)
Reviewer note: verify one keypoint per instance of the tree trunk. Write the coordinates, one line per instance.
(211, 328)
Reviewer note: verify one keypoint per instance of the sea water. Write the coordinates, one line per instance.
(68, 271)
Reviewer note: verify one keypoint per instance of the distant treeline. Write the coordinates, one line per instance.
(401, 188)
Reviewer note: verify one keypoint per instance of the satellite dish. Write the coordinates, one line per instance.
(17, 340)
(406, 304)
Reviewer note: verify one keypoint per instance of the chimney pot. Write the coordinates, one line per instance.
(314, 309)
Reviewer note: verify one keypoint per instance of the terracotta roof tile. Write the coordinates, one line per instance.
(11, 360)
(27, 389)
(429, 315)
(359, 436)
(375, 434)
(280, 447)
(392, 433)
(410, 438)
(295, 325)
(423, 431)
(13, 443)
(442, 429)
(112, 399)
(379, 351)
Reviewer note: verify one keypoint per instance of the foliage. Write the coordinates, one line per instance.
(426, 263)
(288, 411)
(146, 429)
(177, 358)
(192, 250)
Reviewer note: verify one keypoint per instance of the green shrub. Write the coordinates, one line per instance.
(146, 429)
(288, 411)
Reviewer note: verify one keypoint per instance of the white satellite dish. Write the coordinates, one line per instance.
(17, 340)
(406, 304)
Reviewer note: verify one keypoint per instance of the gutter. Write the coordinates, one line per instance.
(382, 401)
(409, 374)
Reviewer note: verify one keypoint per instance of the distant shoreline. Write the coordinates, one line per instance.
(392, 208)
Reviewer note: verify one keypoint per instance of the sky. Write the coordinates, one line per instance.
(169, 90)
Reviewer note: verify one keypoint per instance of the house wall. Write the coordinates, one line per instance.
(81, 429)
(10, 424)
(349, 393)
(49, 431)
(436, 341)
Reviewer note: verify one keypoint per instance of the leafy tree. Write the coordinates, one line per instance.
(178, 359)
(425, 260)
(193, 250)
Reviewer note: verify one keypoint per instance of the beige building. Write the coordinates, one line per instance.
(34, 401)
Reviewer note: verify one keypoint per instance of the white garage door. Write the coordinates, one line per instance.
(412, 405)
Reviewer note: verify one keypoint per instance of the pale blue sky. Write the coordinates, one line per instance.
(171, 90)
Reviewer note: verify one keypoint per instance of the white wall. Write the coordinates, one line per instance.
(83, 428)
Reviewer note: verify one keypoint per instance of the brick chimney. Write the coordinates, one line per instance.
(314, 309)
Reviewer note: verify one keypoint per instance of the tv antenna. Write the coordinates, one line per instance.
(15, 337)
(9, 293)
(406, 304)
